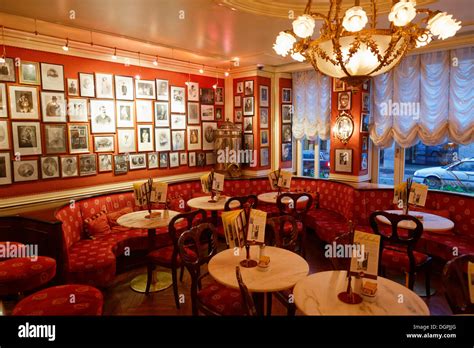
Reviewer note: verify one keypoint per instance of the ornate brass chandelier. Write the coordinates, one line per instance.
(347, 50)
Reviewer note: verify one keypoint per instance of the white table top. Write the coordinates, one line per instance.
(203, 203)
(271, 197)
(430, 222)
(286, 268)
(137, 219)
(317, 295)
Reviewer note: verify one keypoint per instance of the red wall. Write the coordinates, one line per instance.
(284, 83)
(72, 66)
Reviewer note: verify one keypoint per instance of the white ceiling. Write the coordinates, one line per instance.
(210, 28)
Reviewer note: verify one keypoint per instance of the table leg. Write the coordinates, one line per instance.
(214, 218)
(259, 301)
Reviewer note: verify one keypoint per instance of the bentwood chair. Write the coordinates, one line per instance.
(168, 256)
(455, 280)
(297, 206)
(239, 202)
(196, 247)
(397, 247)
(338, 262)
(247, 299)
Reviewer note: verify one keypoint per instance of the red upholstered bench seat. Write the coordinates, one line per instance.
(445, 246)
(327, 224)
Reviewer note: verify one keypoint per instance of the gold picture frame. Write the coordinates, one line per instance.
(29, 73)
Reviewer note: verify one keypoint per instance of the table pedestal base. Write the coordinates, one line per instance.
(161, 281)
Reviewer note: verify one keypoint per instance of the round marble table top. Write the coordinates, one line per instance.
(203, 203)
(286, 268)
(137, 219)
(430, 222)
(271, 197)
(317, 295)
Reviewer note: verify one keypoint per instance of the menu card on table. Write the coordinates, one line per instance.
(365, 257)
(273, 178)
(284, 180)
(157, 192)
(257, 222)
(212, 181)
(470, 278)
(418, 194)
(235, 225)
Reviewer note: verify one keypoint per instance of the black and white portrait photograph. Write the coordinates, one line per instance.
(264, 160)
(248, 124)
(26, 138)
(3, 100)
(72, 87)
(5, 169)
(286, 113)
(219, 114)
(25, 170)
(343, 159)
(144, 110)
(145, 89)
(264, 138)
(178, 121)
(237, 101)
(264, 96)
(29, 73)
(207, 112)
(178, 139)
(77, 110)
(344, 100)
(194, 137)
(366, 102)
(174, 159)
(23, 102)
(238, 116)
(248, 142)
(192, 159)
(145, 138)
(152, 160)
(105, 163)
(69, 166)
(263, 118)
(53, 107)
(120, 164)
(193, 113)
(52, 77)
(210, 158)
(208, 135)
(4, 138)
(162, 90)
(87, 165)
(338, 85)
(286, 95)
(219, 100)
(78, 138)
(248, 106)
(201, 159)
(207, 96)
(178, 100)
(124, 88)
(286, 133)
(137, 161)
(126, 140)
(125, 114)
(55, 138)
(364, 122)
(365, 143)
(364, 163)
(183, 159)
(163, 160)
(86, 85)
(193, 91)
(162, 139)
(7, 71)
(49, 167)
(286, 152)
(162, 118)
(248, 86)
(240, 87)
(104, 143)
(102, 116)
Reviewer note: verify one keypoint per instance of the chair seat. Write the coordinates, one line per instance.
(398, 259)
(57, 300)
(163, 256)
(221, 299)
(287, 227)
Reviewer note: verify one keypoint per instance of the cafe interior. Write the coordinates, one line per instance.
(236, 158)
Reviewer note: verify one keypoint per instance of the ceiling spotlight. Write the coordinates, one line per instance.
(114, 57)
(155, 62)
(66, 46)
(214, 86)
(201, 71)
(226, 74)
(2, 59)
(137, 77)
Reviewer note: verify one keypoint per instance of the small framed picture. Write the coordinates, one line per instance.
(49, 167)
(162, 90)
(263, 117)
(102, 116)
(3, 101)
(78, 138)
(152, 160)
(26, 138)
(365, 86)
(178, 100)
(208, 135)
(25, 170)
(193, 91)
(338, 85)
(124, 88)
(193, 113)
(5, 169)
(23, 102)
(343, 158)
(207, 112)
(264, 96)
(162, 139)
(53, 107)
(248, 124)
(69, 167)
(7, 71)
(219, 100)
(55, 138)
(164, 160)
(286, 152)
(144, 110)
(248, 106)
(248, 142)
(365, 143)
(162, 117)
(240, 87)
(87, 165)
(364, 163)
(264, 139)
(174, 159)
(178, 121)
(145, 137)
(364, 122)
(77, 110)
(344, 100)
(178, 139)
(237, 101)
(137, 161)
(201, 159)
(104, 143)
(248, 87)
(52, 77)
(120, 164)
(264, 160)
(4, 138)
(72, 87)
(366, 102)
(286, 95)
(286, 113)
(105, 163)
(125, 114)
(145, 89)
(183, 159)
(207, 96)
(286, 135)
(86, 85)
(192, 159)
(126, 140)
(29, 73)
(194, 138)
(219, 114)
(238, 116)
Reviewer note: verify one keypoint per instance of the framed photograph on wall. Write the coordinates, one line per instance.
(162, 116)
(365, 143)
(3, 101)
(52, 77)
(125, 114)
(286, 95)
(193, 113)
(162, 139)
(286, 135)
(248, 124)
(183, 159)
(126, 140)
(78, 138)
(124, 88)
(4, 138)
(178, 121)
(193, 91)
(286, 152)
(248, 142)
(105, 163)
(240, 87)
(263, 117)
(264, 96)
(25, 170)
(163, 160)
(86, 85)
(174, 159)
(162, 90)
(144, 109)
(49, 167)
(364, 163)
(5, 169)
(219, 100)
(248, 106)
(238, 116)
(344, 100)
(207, 96)
(364, 122)
(192, 159)
(208, 135)
(72, 87)
(343, 159)
(53, 107)
(78, 110)
(248, 86)
(178, 100)
(194, 138)
(177, 140)
(145, 89)
(210, 158)
(219, 114)
(137, 161)
(120, 164)
(264, 138)
(152, 160)
(55, 138)
(102, 116)
(69, 167)
(338, 85)
(264, 158)
(7, 71)
(286, 113)
(23, 102)
(145, 137)
(26, 138)
(207, 112)
(87, 165)
(201, 159)
(104, 143)
(366, 102)
(30, 73)
(237, 101)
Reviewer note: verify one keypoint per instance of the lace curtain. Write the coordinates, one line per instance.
(312, 105)
(428, 98)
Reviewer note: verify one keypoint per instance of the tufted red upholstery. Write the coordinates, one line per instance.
(62, 300)
(394, 259)
(220, 299)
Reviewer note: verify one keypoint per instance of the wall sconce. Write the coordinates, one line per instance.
(344, 127)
